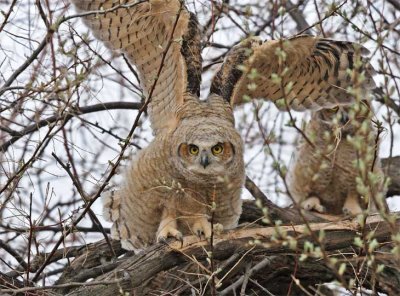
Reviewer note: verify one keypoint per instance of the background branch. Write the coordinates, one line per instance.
(257, 243)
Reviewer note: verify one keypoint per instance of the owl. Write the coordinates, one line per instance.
(181, 179)
(323, 176)
(192, 172)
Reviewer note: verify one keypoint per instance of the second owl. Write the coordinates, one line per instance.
(327, 175)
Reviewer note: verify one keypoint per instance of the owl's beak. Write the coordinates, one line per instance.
(344, 118)
(204, 159)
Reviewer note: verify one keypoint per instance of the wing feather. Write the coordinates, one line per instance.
(307, 72)
(142, 30)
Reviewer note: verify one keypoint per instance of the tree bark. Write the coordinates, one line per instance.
(161, 267)
(391, 167)
(248, 258)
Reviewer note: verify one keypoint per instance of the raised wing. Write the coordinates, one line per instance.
(303, 72)
(142, 30)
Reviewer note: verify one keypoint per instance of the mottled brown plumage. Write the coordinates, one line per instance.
(164, 186)
(323, 175)
(171, 186)
(316, 69)
(171, 189)
(142, 31)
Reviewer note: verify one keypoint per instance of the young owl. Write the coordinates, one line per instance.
(324, 175)
(193, 170)
(181, 179)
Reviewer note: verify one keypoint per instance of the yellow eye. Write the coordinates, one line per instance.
(333, 110)
(217, 149)
(193, 149)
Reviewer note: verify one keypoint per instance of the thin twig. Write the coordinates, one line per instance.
(66, 116)
(259, 266)
(86, 200)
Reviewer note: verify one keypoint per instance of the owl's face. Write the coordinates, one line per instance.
(206, 157)
(339, 118)
(336, 118)
(206, 146)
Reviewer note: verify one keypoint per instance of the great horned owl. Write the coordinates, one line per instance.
(194, 169)
(324, 174)
(173, 184)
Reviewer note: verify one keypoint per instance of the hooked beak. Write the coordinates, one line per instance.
(204, 159)
(344, 118)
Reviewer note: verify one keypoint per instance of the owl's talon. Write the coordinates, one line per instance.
(181, 240)
(313, 203)
(201, 227)
(199, 233)
(162, 240)
(346, 212)
(321, 209)
(169, 231)
(352, 205)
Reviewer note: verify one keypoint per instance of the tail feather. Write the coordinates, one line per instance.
(120, 230)
(111, 206)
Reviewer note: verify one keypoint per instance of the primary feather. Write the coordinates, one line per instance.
(307, 72)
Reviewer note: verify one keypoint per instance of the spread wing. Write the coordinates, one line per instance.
(307, 72)
(142, 30)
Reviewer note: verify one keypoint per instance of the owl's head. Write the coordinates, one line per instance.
(208, 149)
(346, 119)
(335, 120)
(332, 117)
(342, 117)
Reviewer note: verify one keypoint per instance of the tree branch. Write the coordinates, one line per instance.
(16, 135)
(257, 244)
(391, 168)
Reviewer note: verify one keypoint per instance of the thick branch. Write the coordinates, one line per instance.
(275, 212)
(395, 4)
(134, 271)
(298, 17)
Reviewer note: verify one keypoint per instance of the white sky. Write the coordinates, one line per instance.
(14, 48)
